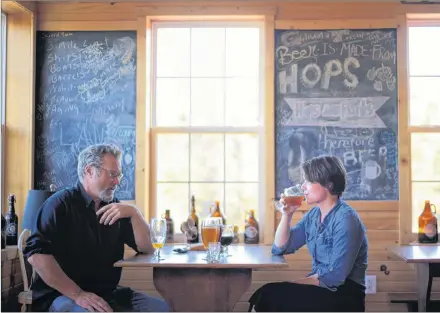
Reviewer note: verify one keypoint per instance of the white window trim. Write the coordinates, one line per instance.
(258, 130)
(413, 129)
(3, 104)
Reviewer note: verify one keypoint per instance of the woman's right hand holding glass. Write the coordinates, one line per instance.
(285, 208)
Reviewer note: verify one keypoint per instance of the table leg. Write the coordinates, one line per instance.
(422, 285)
(201, 289)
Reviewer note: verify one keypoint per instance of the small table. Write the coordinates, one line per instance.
(189, 283)
(424, 256)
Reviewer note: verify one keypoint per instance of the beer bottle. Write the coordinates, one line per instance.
(428, 225)
(236, 239)
(195, 217)
(170, 226)
(3, 232)
(218, 213)
(11, 223)
(251, 229)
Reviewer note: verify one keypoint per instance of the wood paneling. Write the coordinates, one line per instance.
(19, 104)
(385, 221)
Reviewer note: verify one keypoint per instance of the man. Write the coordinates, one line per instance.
(80, 233)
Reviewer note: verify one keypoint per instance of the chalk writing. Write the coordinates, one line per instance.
(86, 94)
(335, 93)
(353, 112)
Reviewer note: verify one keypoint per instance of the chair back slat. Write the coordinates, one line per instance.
(26, 269)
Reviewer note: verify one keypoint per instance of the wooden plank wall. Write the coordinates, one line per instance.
(382, 219)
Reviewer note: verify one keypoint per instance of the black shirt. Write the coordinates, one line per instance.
(68, 228)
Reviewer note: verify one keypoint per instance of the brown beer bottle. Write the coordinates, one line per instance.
(251, 229)
(170, 227)
(195, 218)
(218, 213)
(428, 225)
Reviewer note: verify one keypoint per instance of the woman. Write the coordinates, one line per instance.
(336, 239)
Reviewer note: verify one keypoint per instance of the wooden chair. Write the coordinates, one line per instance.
(25, 297)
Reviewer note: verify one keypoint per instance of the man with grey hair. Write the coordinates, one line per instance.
(80, 233)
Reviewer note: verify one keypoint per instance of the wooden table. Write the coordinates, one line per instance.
(423, 256)
(189, 283)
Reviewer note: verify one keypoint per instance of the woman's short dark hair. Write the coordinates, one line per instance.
(328, 171)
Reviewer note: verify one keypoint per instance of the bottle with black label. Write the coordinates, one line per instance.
(251, 231)
(170, 227)
(11, 223)
(3, 232)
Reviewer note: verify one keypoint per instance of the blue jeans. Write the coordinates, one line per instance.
(126, 301)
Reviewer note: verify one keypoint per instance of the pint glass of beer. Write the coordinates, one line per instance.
(211, 231)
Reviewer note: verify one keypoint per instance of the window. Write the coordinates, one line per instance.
(207, 122)
(2, 98)
(424, 115)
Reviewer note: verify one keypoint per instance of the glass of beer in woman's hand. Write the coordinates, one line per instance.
(292, 197)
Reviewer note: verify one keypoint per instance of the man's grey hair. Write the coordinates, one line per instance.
(93, 155)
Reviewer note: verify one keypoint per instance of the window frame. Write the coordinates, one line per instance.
(259, 130)
(417, 129)
(3, 38)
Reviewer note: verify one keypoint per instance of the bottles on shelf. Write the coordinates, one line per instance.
(428, 224)
(218, 213)
(195, 217)
(3, 232)
(251, 230)
(236, 238)
(170, 227)
(11, 223)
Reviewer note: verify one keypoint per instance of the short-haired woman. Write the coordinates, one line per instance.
(336, 239)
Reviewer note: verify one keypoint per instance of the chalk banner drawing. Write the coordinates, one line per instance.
(336, 94)
(85, 94)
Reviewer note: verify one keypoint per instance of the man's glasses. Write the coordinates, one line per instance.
(112, 174)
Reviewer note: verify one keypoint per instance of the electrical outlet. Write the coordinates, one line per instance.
(370, 284)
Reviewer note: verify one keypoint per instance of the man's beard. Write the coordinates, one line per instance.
(107, 195)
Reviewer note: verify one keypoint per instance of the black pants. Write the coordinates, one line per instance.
(293, 297)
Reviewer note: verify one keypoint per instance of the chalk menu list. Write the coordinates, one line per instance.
(85, 94)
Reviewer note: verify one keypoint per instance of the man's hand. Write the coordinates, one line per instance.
(92, 302)
(114, 211)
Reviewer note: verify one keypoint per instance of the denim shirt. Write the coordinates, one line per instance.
(338, 245)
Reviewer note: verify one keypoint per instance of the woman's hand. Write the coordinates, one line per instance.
(287, 209)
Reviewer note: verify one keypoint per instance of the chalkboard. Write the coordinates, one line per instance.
(336, 94)
(85, 94)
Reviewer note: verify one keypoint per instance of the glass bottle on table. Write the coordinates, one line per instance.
(236, 238)
(251, 229)
(428, 224)
(195, 217)
(170, 227)
(11, 223)
(218, 213)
